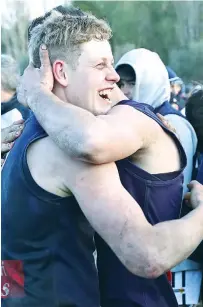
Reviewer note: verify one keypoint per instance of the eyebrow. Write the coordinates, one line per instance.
(104, 59)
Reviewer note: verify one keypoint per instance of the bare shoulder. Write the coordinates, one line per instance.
(48, 166)
(60, 174)
(143, 124)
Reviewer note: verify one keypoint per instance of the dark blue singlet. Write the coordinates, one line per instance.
(47, 243)
(160, 197)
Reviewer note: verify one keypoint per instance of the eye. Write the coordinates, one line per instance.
(101, 65)
(132, 83)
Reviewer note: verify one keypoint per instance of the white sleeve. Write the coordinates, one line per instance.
(188, 139)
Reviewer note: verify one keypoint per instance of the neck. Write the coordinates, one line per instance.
(59, 93)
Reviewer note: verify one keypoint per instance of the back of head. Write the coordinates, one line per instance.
(152, 85)
(10, 73)
(63, 30)
(194, 114)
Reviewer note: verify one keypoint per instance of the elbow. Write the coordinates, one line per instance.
(91, 150)
(149, 271)
(156, 267)
(154, 270)
(150, 266)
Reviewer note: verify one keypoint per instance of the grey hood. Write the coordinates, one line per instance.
(152, 84)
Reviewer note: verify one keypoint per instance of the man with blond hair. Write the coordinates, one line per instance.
(50, 197)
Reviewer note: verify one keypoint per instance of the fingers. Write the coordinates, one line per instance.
(14, 127)
(194, 184)
(166, 123)
(5, 147)
(44, 57)
(20, 121)
(161, 117)
(187, 196)
(11, 133)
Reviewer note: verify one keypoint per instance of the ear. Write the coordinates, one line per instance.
(60, 72)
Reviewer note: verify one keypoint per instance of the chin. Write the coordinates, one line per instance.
(101, 112)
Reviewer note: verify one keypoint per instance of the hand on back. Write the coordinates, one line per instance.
(9, 135)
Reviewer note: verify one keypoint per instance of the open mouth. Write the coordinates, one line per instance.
(104, 94)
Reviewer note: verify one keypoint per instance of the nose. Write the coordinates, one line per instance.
(113, 75)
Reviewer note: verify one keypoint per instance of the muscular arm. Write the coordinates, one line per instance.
(144, 249)
(95, 139)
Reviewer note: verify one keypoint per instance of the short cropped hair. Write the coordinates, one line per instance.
(194, 114)
(63, 31)
(10, 73)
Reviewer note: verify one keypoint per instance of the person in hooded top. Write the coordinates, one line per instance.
(144, 78)
(177, 86)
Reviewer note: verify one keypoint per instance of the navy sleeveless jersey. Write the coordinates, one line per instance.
(47, 243)
(160, 197)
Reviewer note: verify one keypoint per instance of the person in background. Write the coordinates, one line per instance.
(143, 78)
(191, 269)
(194, 113)
(11, 109)
(178, 98)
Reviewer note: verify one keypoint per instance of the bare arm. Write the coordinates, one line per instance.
(96, 139)
(144, 249)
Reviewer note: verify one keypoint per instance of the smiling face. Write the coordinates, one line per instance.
(90, 83)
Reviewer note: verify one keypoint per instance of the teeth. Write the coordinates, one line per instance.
(104, 92)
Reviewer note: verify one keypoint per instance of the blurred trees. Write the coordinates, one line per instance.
(14, 31)
(173, 29)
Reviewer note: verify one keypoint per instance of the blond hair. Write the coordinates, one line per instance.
(64, 33)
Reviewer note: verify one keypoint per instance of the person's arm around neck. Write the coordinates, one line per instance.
(95, 139)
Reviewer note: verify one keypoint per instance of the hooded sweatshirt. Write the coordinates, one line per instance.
(153, 88)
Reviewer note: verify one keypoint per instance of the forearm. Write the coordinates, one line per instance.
(164, 245)
(69, 126)
(146, 250)
(177, 239)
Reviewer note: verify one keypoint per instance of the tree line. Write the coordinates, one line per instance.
(173, 29)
